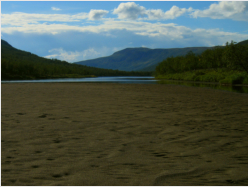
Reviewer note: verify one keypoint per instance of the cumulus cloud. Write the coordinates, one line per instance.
(60, 53)
(75, 56)
(134, 11)
(97, 14)
(90, 53)
(56, 9)
(173, 13)
(129, 10)
(236, 10)
(72, 56)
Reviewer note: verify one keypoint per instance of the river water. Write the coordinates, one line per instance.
(114, 79)
(134, 80)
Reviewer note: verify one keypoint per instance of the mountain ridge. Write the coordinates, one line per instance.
(142, 58)
(135, 59)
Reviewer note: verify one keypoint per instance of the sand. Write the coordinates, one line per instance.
(122, 134)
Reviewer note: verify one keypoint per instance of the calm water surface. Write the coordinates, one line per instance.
(117, 79)
(134, 80)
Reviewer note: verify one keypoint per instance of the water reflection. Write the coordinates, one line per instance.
(239, 89)
(135, 80)
(114, 79)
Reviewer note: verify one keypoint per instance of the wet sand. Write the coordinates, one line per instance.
(122, 134)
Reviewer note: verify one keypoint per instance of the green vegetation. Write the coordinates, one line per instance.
(17, 64)
(239, 89)
(226, 65)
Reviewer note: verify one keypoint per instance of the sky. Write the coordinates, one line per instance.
(80, 30)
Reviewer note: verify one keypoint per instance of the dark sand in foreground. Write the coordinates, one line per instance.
(120, 134)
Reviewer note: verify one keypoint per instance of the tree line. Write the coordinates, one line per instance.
(230, 57)
(17, 64)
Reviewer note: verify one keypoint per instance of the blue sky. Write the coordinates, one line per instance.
(81, 30)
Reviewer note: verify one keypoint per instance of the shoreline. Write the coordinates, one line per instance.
(122, 134)
(201, 82)
(159, 79)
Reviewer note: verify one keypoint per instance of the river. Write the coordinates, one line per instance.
(134, 80)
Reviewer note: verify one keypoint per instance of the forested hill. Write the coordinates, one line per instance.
(225, 64)
(245, 42)
(18, 64)
(141, 59)
(5, 44)
(133, 59)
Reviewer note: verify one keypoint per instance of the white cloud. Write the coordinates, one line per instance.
(76, 56)
(73, 56)
(173, 13)
(43, 24)
(89, 53)
(56, 9)
(61, 54)
(129, 10)
(236, 10)
(170, 31)
(134, 11)
(97, 14)
(22, 19)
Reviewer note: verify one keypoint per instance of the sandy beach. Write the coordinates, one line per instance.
(122, 134)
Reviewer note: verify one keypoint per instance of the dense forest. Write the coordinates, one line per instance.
(17, 64)
(227, 65)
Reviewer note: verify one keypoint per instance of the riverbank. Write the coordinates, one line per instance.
(24, 77)
(122, 134)
(220, 76)
(240, 88)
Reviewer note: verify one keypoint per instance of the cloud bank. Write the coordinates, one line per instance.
(235, 10)
(23, 19)
(170, 30)
(133, 11)
(72, 56)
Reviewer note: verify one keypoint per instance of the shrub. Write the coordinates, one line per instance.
(245, 81)
(212, 77)
(236, 78)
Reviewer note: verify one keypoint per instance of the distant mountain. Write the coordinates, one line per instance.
(141, 59)
(135, 59)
